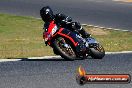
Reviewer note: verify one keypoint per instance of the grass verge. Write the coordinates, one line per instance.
(22, 37)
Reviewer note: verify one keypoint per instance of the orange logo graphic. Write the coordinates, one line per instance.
(83, 78)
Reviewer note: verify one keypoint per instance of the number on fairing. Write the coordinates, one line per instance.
(54, 30)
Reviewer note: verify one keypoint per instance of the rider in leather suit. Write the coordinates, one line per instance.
(62, 20)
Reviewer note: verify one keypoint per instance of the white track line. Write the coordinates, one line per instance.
(7, 60)
(106, 28)
(56, 57)
(122, 52)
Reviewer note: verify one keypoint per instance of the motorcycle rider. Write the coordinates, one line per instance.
(62, 20)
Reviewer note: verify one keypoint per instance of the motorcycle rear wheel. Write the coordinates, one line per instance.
(97, 52)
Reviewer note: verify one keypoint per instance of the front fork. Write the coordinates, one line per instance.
(82, 48)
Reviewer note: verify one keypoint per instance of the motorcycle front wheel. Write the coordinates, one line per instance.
(64, 48)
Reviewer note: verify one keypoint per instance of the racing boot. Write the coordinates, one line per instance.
(79, 28)
(84, 33)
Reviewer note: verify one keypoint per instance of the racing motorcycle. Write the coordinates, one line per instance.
(70, 45)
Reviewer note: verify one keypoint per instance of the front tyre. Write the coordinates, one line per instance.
(64, 48)
(97, 51)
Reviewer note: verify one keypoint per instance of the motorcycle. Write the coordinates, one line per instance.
(70, 45)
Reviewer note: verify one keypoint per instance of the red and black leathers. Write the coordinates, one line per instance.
(66, 22)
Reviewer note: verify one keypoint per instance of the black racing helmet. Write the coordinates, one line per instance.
(46, 14)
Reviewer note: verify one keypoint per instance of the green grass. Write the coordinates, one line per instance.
(113, 40)
(22, 37)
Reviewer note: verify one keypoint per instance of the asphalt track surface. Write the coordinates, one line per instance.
(106, 13)
(57, 73)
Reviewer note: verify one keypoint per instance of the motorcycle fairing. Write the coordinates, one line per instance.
(69, 34)
(51, 30)
(78, 44)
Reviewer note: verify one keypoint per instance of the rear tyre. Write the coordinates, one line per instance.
(97, 51)
(64, 48)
